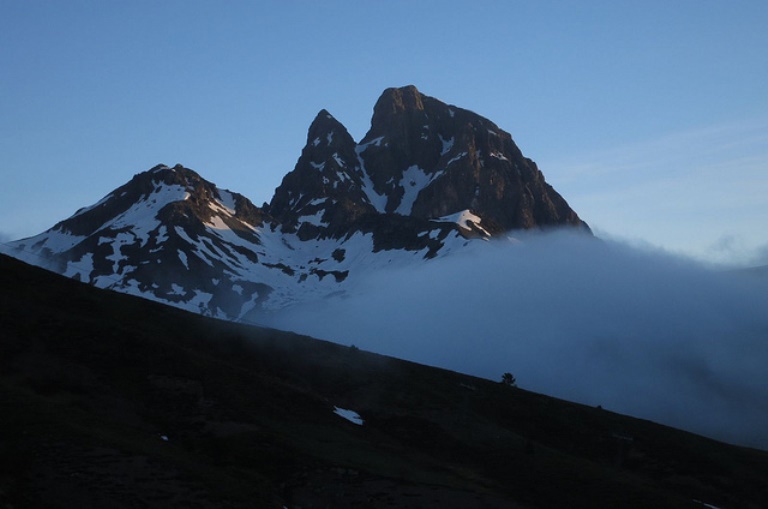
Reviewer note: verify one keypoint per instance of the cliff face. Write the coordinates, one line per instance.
(433, 160)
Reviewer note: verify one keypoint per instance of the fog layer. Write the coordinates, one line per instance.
(598, 322)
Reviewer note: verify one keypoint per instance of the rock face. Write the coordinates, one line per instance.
(425, 179)
(324, 194)
(421, 158)
(437, 159)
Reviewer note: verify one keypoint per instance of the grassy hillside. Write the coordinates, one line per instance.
(112, 401)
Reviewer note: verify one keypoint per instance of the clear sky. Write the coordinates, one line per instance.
(649, 117)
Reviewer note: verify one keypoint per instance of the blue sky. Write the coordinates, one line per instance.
(651, 118)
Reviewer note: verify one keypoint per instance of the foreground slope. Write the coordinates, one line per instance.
(112, 401)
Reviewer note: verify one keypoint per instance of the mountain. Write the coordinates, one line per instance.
(421, 159)
(425, 180)
(108, 400)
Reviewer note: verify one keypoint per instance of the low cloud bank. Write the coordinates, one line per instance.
(598, 322)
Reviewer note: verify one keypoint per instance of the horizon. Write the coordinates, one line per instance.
(651, 121)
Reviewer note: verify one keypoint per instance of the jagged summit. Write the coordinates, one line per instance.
(324, 194)
(396, 100)
(426, 179)
(427, 159)
(178, 194)
(323, 129)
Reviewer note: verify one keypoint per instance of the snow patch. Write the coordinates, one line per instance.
(55, 240)
(83, 267)
(183, 258)
(708, 506)
(455, 158)
(227, 200)
(217, 223)
(200, 301)
(375, 142)
(120, 240)
(349, 415)
(141, 217)
(379, 201)
(465, 219)
(162, 234)
(315, 219)
(447, 145)
(414, 179)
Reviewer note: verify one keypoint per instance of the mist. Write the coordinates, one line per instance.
(633, 330)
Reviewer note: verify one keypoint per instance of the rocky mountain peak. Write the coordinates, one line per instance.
(397, 100)
(421, 158)
(396, 112)
(425, 179)
(326, 131)
(323, 194)
(143, 187)
(432, 160)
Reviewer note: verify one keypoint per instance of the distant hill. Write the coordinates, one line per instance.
(111, 401)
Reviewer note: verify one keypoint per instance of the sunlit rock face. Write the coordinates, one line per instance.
(426, 180)
(432, 160)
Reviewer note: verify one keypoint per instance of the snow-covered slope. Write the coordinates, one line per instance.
(171, 236)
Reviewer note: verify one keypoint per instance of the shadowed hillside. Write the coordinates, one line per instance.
(113, 401)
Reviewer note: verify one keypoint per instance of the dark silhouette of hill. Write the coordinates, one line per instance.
(108, 400)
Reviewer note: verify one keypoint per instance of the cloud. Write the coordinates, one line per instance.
(636, 331)
(760, 256)
(734, 247)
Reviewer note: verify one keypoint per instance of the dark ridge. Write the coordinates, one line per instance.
(113, 401)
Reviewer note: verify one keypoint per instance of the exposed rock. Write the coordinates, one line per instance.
(444, 159)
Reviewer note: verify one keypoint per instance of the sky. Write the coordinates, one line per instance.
(650, 118)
